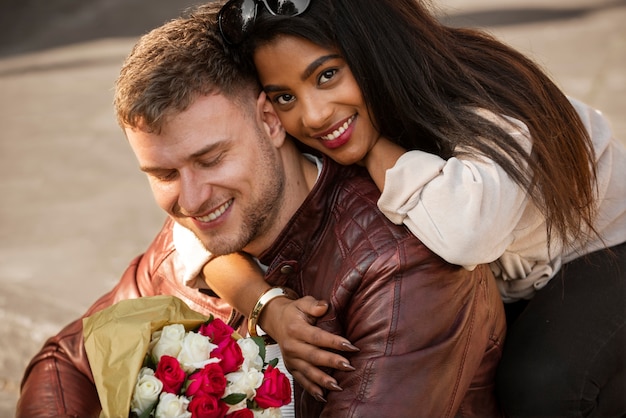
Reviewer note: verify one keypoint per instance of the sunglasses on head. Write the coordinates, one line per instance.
(237, 16)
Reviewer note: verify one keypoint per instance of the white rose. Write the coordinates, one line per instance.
(195, 352)
(168, 341)
(172, 406)
(245, 382)
(251, 357)
(267, 413)
(146, 391)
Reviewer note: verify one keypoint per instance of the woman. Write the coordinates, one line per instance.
(495, 150)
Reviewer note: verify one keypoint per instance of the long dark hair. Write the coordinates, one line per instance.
(423, 83)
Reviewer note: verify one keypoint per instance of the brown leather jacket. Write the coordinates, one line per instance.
(430, 333)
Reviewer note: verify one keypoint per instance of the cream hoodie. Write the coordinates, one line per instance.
(469, 211)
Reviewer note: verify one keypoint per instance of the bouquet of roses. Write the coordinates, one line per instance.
(192, 366)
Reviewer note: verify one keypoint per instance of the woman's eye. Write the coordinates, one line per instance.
(284, 99)
(327, 75)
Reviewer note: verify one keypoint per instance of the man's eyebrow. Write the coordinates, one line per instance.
(208, 148)
(310, 69)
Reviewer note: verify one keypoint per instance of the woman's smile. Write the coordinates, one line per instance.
(316, 97)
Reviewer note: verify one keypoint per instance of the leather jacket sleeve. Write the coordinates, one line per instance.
(430, 338)
(58, 381)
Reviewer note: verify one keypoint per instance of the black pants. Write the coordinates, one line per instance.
(565, 354)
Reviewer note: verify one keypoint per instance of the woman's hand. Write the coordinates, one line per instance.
(238, 280)
(303, 345)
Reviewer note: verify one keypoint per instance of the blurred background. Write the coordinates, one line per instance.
(74, 208)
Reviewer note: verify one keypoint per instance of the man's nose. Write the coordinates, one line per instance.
(193, 194)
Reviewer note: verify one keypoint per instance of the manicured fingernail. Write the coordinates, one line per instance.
(334, 386)
(319, 398)
(347, 366)
(349, 347)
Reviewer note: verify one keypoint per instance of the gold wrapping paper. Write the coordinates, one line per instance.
(117, 340)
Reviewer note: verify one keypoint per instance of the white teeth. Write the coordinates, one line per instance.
(339, 131)
(216, 214)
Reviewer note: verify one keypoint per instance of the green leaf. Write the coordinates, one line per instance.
(207, 322)
(148, 412)
(273, 362)
(261, 343)
(234, 398)
(150, 361)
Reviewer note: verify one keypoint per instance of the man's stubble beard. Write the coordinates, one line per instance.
(262, 214)
(255, 225)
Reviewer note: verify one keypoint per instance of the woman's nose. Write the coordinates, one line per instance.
(316, 113)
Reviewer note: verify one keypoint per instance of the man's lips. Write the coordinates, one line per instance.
(210, 217)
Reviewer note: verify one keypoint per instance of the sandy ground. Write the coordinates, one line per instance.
(75, 209)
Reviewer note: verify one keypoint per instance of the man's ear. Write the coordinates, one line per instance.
(270, 120)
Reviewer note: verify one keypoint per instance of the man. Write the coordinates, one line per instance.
(220, 164)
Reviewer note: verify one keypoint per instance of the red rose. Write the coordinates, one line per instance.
(207, 407)
(170, 373)
(210, 381)
(217, 331)
(275, 391)
(242, 413)
(230, 355)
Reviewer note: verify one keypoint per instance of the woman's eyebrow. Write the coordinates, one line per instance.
(310, 69)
